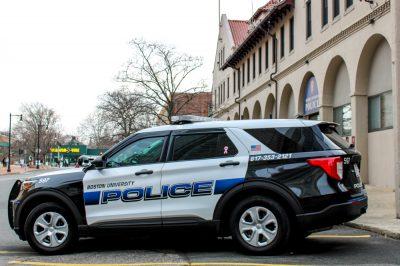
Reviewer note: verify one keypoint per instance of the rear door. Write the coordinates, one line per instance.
(128, 189)
(201, 166)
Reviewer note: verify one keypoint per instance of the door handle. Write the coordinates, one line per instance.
(229, 163)
(144, 172)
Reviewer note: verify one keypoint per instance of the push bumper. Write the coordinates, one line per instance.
(334, 214)
(13, 204)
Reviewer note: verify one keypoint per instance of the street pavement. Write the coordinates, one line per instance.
(341, 245)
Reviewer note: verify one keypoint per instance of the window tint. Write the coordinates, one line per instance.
(259, 60)
(292, 140)
(291, 33)
(274, 48)
(336, 8)
(144, 151)
(282, 41)
(349, 3)
(202, 146)
(324, 12)
(308, 20)
(266, 55)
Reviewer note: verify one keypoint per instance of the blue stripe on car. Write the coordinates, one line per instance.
(223, 185)
(92, 198)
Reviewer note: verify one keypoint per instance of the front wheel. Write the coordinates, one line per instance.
(50, 229)
(260, 225)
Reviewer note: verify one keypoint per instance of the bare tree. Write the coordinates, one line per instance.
(96, 131)
(162, 76)
(125, 112)
(37, 119)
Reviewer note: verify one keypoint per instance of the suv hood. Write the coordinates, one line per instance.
(62, 176)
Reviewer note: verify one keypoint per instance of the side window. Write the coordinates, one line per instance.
(144, 151)
(202, 146)
(291, 140)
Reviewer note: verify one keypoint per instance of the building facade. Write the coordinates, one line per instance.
(331, 60)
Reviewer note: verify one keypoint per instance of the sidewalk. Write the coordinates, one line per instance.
(381, 213)
(16, 169)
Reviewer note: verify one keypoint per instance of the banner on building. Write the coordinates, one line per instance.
(311, 97)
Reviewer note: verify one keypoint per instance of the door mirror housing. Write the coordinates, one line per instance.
(98, 163)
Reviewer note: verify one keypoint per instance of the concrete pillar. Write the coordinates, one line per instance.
(396, 99)
(359, 106)
(326, 113)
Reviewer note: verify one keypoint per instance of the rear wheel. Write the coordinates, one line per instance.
(260, 225)
(50, 229)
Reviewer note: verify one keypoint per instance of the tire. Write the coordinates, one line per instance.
(50, 229)
(266, 235)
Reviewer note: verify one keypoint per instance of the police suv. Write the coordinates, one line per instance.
(263, 182)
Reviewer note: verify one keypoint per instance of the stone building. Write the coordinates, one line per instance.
(332, 60)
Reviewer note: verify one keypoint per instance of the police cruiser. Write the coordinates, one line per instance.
(263, 182)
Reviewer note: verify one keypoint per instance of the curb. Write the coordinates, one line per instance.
(373, 229)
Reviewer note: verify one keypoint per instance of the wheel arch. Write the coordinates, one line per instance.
(43, 196)
(269, 188)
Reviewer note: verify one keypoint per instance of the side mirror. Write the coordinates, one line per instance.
(98, 163)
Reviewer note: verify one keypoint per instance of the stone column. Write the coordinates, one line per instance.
(396, 98)
(326, 113)
(359, 108)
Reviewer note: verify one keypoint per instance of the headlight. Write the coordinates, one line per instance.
(28, 185)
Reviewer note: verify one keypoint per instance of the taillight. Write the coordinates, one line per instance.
(332, 166)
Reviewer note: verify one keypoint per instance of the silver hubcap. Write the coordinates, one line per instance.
(50, 229)
(258, 226)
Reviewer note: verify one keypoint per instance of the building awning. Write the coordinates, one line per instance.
(275, 13)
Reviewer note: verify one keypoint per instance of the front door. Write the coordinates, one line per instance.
(125, 189)
(201, 166)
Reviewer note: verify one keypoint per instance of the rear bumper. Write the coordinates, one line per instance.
(334, 214)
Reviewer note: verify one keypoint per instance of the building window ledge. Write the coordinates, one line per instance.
(336, 19)
(324, 28)
(379, 129)
(348, 10)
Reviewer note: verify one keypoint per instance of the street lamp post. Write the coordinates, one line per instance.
(9, 142)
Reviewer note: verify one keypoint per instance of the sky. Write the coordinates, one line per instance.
(65, 54)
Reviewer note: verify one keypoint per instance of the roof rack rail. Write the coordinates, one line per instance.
(190, 119)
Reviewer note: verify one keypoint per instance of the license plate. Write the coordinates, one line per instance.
(356, 170)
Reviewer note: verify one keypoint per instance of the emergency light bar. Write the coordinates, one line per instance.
(189, 119)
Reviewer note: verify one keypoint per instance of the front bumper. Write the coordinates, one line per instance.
(13, 203)
(334, 214)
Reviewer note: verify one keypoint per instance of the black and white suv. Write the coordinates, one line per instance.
(260, 181)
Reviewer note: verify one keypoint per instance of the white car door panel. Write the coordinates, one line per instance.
(128, 192)
(206, 179)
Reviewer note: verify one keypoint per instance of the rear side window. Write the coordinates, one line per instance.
(202, 146)
(331, 133)
(292, 140)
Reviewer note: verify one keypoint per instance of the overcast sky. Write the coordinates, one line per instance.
(66, 53)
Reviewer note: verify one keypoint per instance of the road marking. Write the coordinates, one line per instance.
(6, 252)
(37, 263)
(339, 236)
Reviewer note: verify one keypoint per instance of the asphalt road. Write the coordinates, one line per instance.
(342, 245)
